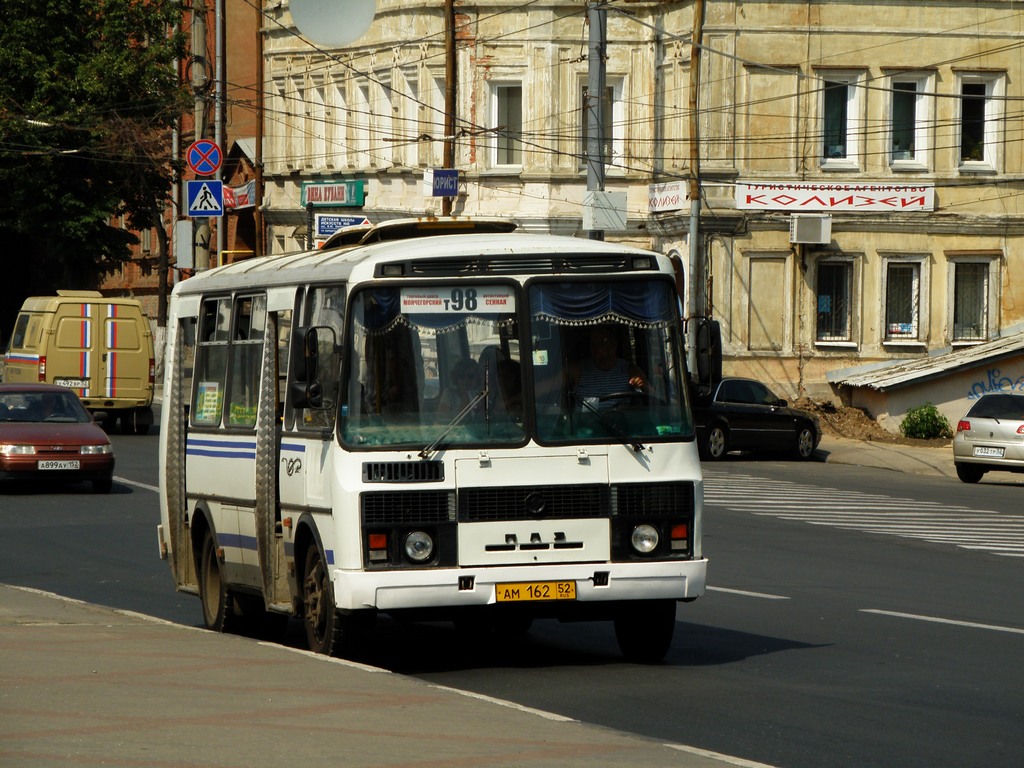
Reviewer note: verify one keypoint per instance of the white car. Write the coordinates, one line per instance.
(990, 437)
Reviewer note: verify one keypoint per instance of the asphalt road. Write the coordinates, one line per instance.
(825, 640)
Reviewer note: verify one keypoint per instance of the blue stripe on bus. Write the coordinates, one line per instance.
(220, 454)
(298, 447)
(236, 540)
(221, 449)
(249, 542)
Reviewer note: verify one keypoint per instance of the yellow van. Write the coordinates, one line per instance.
(102, 348)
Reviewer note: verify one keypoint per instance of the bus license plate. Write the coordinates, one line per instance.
(984, 450)
(72, 383)
(53, 464)
(535, 590)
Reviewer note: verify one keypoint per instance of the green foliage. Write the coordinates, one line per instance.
(89, 94)
(925, 422)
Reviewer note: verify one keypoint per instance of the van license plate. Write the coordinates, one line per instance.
(984, 450)
(535, 590)
(72, 383)
(53, 464)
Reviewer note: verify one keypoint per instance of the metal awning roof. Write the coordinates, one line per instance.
(902, 373)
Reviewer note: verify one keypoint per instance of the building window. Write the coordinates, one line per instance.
(834, 301)
(970, 300)
(980, 113)
(902, 301)
(611, 123)
(910, 106)
(840, 109)
(507, 119)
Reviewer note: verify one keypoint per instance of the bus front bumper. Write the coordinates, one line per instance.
(467, 587)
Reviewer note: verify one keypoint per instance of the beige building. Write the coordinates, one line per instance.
(885, 139)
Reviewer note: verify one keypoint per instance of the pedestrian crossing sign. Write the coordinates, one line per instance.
(205, 197)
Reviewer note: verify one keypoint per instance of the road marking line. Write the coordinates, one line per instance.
(747, 594)
(126, 481)
(738, 761)
(937, 620)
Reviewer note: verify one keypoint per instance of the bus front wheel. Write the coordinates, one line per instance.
(327, 631)
(644, 630)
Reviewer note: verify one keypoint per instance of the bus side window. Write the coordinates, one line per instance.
(246, 360)
(211, 362)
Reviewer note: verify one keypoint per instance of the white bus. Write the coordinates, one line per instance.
(411, 426)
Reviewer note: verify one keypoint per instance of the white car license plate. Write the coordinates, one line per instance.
(985, 450)
(55, 464)
(72, 383)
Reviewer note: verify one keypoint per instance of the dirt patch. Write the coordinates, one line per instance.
(855, 424)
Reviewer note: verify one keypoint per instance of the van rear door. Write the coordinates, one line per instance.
(71, 361)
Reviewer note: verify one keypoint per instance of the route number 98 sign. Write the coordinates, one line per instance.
(459, 300)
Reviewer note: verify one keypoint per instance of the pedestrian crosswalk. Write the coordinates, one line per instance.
(965, 527)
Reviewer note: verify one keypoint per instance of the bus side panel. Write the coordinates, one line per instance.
(221, 466)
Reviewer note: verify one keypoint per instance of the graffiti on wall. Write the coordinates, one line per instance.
(996, 382)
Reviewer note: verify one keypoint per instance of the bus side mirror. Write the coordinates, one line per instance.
(709, 354)
(306, 391)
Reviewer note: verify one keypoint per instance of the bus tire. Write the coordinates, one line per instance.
(644, 630)
(213, 591)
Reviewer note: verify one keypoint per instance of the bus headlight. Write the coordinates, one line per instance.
(419, 546)
(645, 539)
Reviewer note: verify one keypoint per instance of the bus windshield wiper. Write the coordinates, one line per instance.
(625, 439)
(459, 418)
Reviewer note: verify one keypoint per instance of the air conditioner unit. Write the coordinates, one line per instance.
(804, 228)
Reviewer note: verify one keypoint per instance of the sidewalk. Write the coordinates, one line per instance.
(901, 458)
(82, 685)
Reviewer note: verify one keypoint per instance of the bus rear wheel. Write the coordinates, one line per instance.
(644, 630)
(213, 592)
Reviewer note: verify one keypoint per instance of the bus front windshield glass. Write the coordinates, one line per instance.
(608, 361)
(433, 364)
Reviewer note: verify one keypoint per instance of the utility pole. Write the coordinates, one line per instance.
(597, 18)
(696, 281)
(200, 85)
(450, 72)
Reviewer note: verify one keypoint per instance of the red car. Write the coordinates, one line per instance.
(47, 435)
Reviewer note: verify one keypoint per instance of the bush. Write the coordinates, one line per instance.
(925, 422)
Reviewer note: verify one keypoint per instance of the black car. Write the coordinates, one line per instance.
(744, 415)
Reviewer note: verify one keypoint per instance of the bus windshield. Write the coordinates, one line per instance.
(441, 366)
(608, 362)
(433, 360)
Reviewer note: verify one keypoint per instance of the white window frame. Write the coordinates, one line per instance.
(618, 144)
(436, 120)
(499, 100)
(360, 126)
(918, 334)
(989, 303)
(850, 338)
(408, 152)
(924, 101)
(316, 125)
(994, 113)
(854, 120)
(382, 122)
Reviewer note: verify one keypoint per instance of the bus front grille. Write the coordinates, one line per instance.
(488, 504)
(652, 499)
(407, 507)
(533, 503)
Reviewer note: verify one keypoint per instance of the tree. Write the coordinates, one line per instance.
(88, 99)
